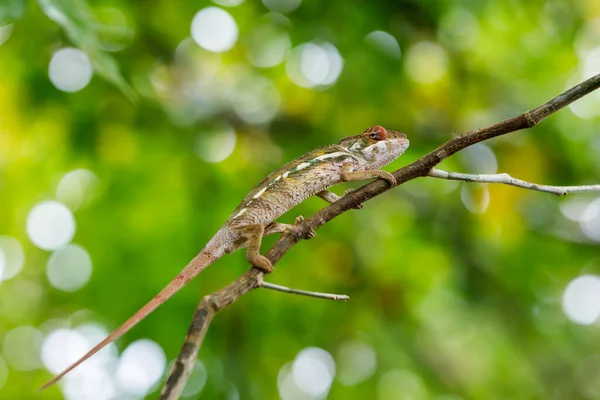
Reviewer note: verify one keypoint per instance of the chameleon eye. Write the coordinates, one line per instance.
(376, 133)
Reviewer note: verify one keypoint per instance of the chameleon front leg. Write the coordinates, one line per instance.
(278, 227)
(349, 175)
(253, 234)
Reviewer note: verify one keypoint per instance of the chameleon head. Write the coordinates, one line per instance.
(377, 146)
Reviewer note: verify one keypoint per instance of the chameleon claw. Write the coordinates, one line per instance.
(311, 232)
(347, 192)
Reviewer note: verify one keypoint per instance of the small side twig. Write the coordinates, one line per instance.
(318, 295)
(506, 179)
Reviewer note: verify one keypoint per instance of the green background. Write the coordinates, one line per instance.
(455, 302)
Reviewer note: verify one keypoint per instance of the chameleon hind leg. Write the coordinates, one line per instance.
(253, 235)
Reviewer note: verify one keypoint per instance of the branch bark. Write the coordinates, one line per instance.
(211, 304)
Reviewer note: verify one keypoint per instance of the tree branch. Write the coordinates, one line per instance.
(211, 304)
(318, 295)
(509, 180)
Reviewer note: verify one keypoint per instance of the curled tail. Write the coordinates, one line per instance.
(207, 256)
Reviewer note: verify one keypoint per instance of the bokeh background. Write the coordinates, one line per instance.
(130, 130)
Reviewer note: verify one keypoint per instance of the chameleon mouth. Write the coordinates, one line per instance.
(396, 135)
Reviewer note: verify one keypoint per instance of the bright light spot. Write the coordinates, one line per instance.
(69, 268)
(313, 371)
(384, 42)
(308, 377)
(50, 225)
(76, 188)
(459, 29)
(256, 100)
(286, 386)
(426, 62)
(591, 63)
(217, 144)
(92, 379)
(313, 65)
(479, 159)
(140, 367)
(588, 106)
(214, 29)
(5, 31)
(268, 46)
(70, 70)
(93, 334)
(89, 384)
(22, 348)
(228, 3)
(196, 381)
(283, 6)
(12, 257)
(64, 346)
(397, 384)
(356, 362)
(2, 263)
(574, 208)
(61, 348)
(476, 198)
(581, 300)
(3, 373)
(590, 220)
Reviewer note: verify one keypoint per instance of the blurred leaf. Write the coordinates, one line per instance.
(82, 27)
(11, 10)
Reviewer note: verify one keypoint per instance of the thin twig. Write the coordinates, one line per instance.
(319, 295)
(509, 180)
(419, 168)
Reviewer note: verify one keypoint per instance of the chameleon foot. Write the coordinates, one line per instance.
(347, 192)
(261, 262)
(311, 232)
(389, 178)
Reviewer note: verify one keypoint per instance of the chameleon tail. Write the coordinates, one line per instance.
(212, 252)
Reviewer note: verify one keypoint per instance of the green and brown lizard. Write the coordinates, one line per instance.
(354, 158)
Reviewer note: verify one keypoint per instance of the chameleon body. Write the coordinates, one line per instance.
(353, 158)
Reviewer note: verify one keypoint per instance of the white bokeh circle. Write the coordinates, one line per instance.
(70, 69)
(50, 225)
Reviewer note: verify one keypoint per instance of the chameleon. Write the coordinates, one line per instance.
(354, 158)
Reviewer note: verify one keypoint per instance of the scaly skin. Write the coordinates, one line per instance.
(354, 158)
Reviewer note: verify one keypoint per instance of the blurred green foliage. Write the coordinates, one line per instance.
(457, 298)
